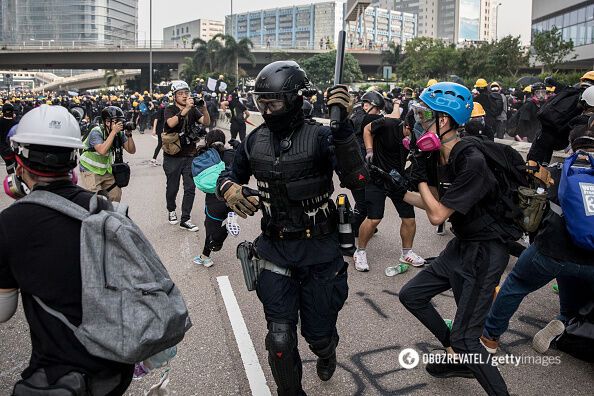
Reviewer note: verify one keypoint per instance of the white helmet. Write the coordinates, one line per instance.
(588, 96)
(48, 126)
(179, 85)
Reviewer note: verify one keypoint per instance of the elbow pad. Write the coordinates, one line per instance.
(8, 305)
(352, 171)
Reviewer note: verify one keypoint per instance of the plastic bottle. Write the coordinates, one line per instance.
(397, 269)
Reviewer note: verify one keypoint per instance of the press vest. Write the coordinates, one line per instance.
(295, 187)
(92, 160)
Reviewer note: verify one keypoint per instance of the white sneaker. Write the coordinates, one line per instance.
(360, 258)
(207, 262)
(231, 223)
(413, 259)
(542, 340)
(173, 218)
(154, 162)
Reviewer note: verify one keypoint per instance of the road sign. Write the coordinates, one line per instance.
(387, 72)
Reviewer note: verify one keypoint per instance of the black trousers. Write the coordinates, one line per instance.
(238, 128)
(159, 145)
(176, 167)
(316, 293)
(472, 270)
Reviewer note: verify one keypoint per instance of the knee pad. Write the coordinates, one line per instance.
(281, 339)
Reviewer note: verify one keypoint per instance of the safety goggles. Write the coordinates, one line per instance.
(423, 114)
(272, 102)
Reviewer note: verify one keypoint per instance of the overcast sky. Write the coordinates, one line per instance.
(514, 15)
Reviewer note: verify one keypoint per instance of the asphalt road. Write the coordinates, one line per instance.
(374, 326)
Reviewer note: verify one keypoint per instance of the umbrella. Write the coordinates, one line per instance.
(454, 78)
(527, 80)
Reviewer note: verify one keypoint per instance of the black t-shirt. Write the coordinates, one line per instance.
(471, 191)
(553, 239)
(192, 117)
(159, 115)
(388, 151)
(237, 108)
(41, 256)
(5, 125)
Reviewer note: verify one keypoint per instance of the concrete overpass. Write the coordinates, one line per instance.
(55, 57)
(84, 81)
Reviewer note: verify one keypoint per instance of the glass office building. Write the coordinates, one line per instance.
(93, 21)
(576, 23)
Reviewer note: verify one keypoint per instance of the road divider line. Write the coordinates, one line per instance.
(251, 364)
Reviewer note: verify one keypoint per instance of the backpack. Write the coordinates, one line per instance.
(206, 169)
(143, 108)
(496, 104)
(131, 309)
(517, 208)
(578, 337)
(576, 196)
(557, 112)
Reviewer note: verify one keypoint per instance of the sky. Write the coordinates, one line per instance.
(514, 15)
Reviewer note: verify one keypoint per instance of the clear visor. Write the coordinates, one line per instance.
(423, 114)
(271, 103)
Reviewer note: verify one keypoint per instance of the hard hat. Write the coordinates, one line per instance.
(527, 89)
(477, 110)
(431, 82)
(588, 96)
(495, 85)
(48, 126)
(221, 76)
(480, 83)
(447, 97)
(179, 85)
(588, 76)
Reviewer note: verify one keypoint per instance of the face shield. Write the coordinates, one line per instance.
(423, 115)
(274, 103)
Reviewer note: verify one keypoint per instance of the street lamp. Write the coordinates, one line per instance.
(496, 20)
(151, 47)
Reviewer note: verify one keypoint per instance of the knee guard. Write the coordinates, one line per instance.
(283, 357)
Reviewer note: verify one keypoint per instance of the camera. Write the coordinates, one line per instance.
(129, 126)
(198, 102)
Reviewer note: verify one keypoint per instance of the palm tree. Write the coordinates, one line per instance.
(393, 55)
(233, 50)
(113, 77)
(206, 54)
(189, 69)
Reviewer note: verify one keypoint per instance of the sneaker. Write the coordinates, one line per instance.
(440, 229)
(232, 227)
(155, 163)
(173, 218)
(360, 258)
(489, 344)
(413, 259)
(139, 371)
(207, 262)
(187, 225)
(542, 340)
(449, 370)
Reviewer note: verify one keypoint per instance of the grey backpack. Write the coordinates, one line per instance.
(131, 309)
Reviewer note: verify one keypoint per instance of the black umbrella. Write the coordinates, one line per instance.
(527, 80)
(454, 78)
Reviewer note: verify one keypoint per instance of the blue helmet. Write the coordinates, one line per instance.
(450, 98)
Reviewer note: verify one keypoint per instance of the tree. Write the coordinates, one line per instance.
(189, 70)
(320, 69)
(229, 54)
(206, 54)
(393, 55)
(113, 77)
(551, 49)
(425, 57)
(509, 56)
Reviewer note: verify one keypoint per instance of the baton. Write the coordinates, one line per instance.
(338, 69)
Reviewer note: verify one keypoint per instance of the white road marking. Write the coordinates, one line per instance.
(252, 366)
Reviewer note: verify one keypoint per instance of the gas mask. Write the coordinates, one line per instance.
(15, 187)
(427, 140)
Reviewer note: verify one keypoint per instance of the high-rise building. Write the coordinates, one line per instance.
(304, 26)
(315, 25)
(451, 20)
(91, 21)
(575, 19)
(183, 34)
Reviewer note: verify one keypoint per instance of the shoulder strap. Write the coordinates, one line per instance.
(55, 202)
(58, 315)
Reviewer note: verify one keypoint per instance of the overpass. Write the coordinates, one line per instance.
(94, 79)
(120, 57)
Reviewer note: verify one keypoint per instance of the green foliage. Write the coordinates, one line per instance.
(222, 52)
(113, 77)
(320, 69)
(550, 49)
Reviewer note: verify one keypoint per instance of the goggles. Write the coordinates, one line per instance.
(272, 102)
(423, 114)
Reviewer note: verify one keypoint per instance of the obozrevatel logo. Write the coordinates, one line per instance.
(408, 358)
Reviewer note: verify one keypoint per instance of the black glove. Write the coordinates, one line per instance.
(393, 181)
(418, 170)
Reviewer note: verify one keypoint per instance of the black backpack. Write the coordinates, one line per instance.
(509, 169)
(496, 104)
(557, 112)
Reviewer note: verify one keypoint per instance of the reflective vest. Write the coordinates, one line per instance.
(92, 160)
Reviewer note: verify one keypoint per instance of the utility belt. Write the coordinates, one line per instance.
(274, 231)
(252, 265)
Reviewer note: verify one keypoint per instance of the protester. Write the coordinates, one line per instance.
(501, 118)
(42, 259)
(8, 119)
(476, 126)
(158, 123)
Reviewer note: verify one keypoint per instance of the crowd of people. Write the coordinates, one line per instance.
(432, 149)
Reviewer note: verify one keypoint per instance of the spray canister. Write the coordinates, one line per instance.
(345, 229)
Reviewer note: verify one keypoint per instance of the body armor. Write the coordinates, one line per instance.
(295, 188)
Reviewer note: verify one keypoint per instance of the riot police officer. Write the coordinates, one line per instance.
(302, 270)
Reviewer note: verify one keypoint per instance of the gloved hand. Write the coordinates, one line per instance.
(369, 156)
(234, 196)
(338, 95)
(542, 174)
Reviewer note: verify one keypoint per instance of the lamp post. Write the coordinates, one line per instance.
(496, 21)
(151, 47)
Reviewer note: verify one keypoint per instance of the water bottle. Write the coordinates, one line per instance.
(160, 359)
(346, 237)
(397, 269)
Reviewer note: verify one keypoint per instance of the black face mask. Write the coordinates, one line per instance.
(285, 123)
(474, 127)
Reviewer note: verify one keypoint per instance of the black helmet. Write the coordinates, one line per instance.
(538, 86)
(396, 91)
(280, 81)
(8, 109)
(374, 98)
(78, 113)
(112, 113)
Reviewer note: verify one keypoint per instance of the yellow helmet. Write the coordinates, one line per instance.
(551, 89)
(481, 83)
(221, 76)
(527, 89)
(431, 82)
(588, 76)
(146, 92)
(477, 110)
(135, 104)
(48, 102)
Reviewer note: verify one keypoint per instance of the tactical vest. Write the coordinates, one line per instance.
(92, 160)
(294, 189)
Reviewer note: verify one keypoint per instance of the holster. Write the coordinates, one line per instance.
(252, 265)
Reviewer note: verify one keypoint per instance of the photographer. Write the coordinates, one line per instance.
(180, 132)
(101, 145)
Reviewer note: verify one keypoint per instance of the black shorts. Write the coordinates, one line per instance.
(375, 197)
